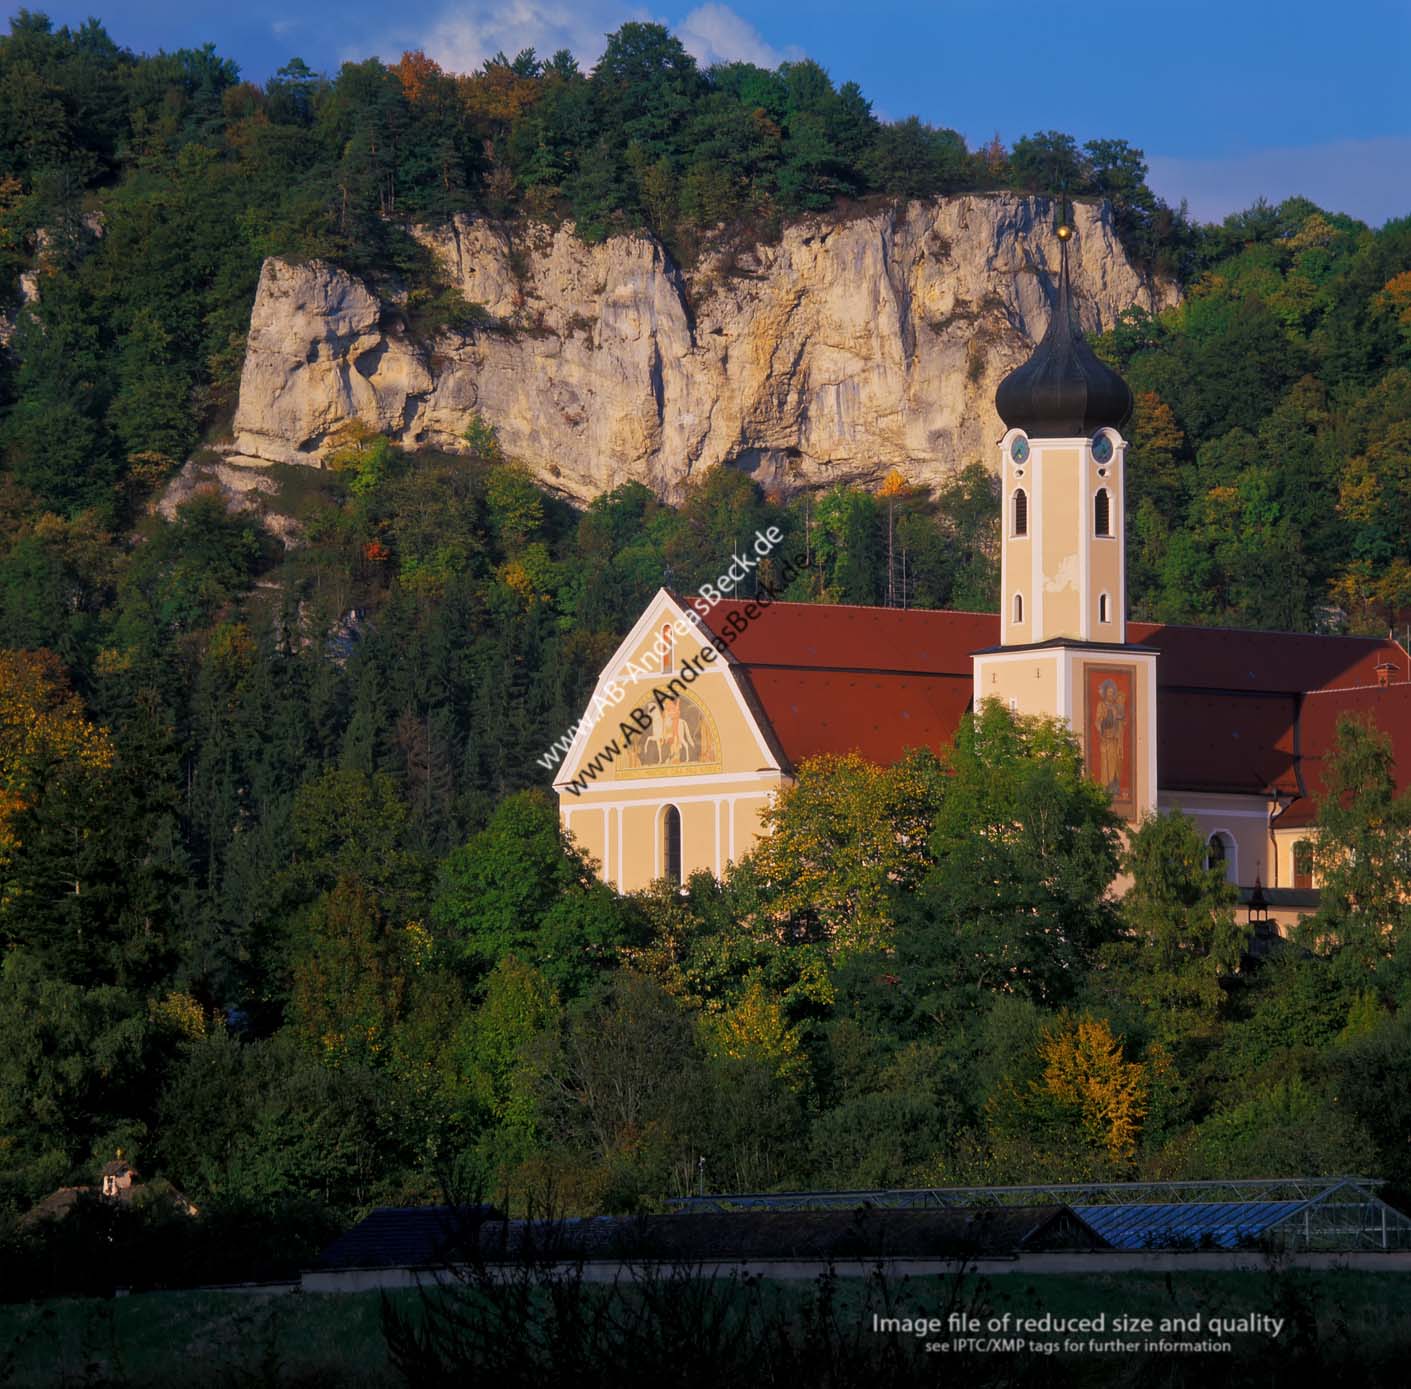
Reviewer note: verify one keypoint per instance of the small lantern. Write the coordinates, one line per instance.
(1259, 921)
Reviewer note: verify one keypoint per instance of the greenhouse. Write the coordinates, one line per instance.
(1291, 1214)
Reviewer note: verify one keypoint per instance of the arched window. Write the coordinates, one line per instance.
(1102, 513)
(1220, 853)
(1021, 511)
(1303, 864)
(1104, 608)
(671, 844)
(668, 648)
(1018, 606)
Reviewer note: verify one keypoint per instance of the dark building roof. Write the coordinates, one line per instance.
(1063, 390)
(405, 1237)
(422, 1237)
(1237, 709)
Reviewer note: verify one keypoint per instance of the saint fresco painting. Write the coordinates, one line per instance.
(1110, 723)
(682, 734)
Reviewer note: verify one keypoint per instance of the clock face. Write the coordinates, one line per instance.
(1019, 450)
(1102, 448)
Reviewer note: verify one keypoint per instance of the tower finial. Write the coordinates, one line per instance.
(1063, 391)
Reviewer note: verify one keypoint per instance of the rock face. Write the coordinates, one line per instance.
(845, 350)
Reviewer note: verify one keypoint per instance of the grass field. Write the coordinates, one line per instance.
(218, 1339)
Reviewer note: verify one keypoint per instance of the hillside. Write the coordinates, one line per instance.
(284, 912)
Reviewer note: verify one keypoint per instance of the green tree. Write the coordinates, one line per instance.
(1182, 934)
(56, 436)
(841, 843)
(1362, 853)
(193, 565)
(1024, 848)
(520, 887)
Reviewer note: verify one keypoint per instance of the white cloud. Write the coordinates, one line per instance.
(1365, 178)
(714, 33)
(462, 36)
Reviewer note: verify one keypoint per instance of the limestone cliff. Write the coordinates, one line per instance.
(846, 349)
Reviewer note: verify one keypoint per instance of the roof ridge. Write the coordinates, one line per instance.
(1352, 689)
(862, 607)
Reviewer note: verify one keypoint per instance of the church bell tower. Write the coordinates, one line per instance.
(1063, 616)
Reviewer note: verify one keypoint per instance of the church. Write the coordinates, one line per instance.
(1231, 727)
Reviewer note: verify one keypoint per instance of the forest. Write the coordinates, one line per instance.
(285, 911)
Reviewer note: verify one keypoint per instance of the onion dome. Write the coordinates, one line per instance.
(1063, 391)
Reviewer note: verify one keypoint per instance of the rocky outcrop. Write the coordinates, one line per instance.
(241, 490)
(846, 349)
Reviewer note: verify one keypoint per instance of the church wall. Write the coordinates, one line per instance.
(591, 829)
(1058, 609)
(699, 753)
(1067, 682)
(1104, 555)
(1284, 842)
(1245, 819)
(1016, 579)
(624, 833)
(1017, 552)
(1026, 683)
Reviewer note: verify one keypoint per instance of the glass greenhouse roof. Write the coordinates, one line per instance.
(1309, 1213)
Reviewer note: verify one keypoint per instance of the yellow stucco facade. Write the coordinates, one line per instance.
(1062, 557)
(1066, 682)
(694, 747)
(1063, 649)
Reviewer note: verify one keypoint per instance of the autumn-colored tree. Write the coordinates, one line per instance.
(502, 91)
(1395, 300)
(755, 1029)
(1084, 1066)
(48, 747)
(416, 72)
(1157, 444)
(350, 975)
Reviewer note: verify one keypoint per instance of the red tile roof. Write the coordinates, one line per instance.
(1389, 708)
(1211, 740)
(881, 715)
(1226, 658)
(838, 636)
(833, 678)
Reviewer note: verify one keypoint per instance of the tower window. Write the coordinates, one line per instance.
(1019, 607)
(1104, 608)
(671, 844)
(1021, 512)
(1102, 512)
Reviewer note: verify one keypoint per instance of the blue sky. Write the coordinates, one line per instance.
(1230, 100)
